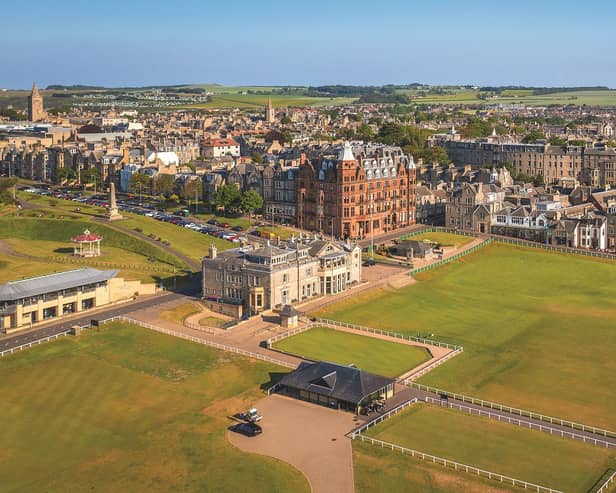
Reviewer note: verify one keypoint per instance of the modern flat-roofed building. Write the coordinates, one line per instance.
(27, 302)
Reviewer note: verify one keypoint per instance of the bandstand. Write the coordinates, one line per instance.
(87, 245)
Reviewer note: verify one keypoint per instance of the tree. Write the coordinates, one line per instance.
(227, 196)
(533, 136)
(91, 176)
(6, 190)
(285, 120)
(251, 201)
(434, 154)
(365, 132)
(558, 141)
(192, 189)
(257, 158)
(140, 183)
(65, 174)
(164, 184)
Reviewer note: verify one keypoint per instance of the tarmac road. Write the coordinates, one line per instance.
(9, 342)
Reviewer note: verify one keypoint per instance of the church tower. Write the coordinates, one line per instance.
(270, 114)
(36, 113)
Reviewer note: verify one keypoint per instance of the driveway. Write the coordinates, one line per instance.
(307, 436)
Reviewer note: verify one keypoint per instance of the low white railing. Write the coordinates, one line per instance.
(515, 411)
(202, 328)
(278, 337)
(604, 487)
(395, 335)
(33, 343)
(205, 342)
(458, 466)
(383, 417)
(524, 423)
(431, 366)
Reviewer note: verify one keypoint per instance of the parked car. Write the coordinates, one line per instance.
(224, 225)
(247, 429)
(212, 222)
(252, 415)
(237, 228)
(369, 262)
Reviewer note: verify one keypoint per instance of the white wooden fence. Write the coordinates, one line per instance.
(458, 466)
(432, 365)
(396, 335)
(34, 343)
(278, 337)
(605, 486)
(515, 411)
(383, 417)
(524, 423)
(199, 340)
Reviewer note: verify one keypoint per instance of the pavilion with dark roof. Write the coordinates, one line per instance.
(336, 386)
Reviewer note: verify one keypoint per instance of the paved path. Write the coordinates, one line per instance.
(307, 436)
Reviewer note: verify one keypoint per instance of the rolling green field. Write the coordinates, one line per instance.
(126, 409)
(378, 356)
(503, 448)
(537, 328)
(444, 239)
(591, 98)
(239, 100)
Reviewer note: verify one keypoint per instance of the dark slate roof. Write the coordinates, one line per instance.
(345, 383)
(34, 286)
(289, 311)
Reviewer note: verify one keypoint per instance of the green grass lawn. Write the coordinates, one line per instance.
(51, 256)
(386, 358)
(517, 452)
(444, 239)
(185, 241)
(279, 231)
(210, 321)
(179, 313)
(537, 328)
(379, 470)
(126, 409)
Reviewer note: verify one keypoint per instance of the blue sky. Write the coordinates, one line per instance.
(269, 42)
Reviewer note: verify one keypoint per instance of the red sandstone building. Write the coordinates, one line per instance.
(353, 197)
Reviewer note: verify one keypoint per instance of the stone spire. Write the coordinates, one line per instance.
(270, 114)
(36, 112)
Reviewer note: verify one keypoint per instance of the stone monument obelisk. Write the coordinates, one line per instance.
(113, 214)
